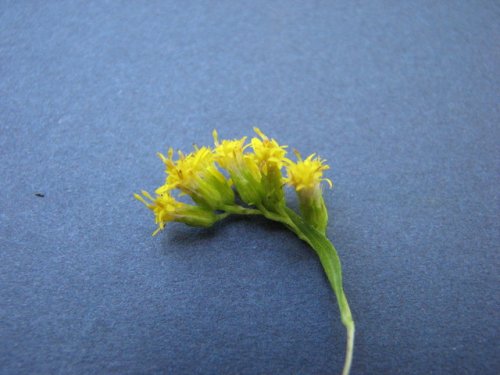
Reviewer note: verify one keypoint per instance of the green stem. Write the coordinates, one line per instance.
(239, 210)
(327, 255)
(331, 264)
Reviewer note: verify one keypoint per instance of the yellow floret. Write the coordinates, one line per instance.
(164, 207)
(268, 152)
(241, 166)
(167, 209)
(306, 174)
(196, 174)
(187, 171)
(229, 153)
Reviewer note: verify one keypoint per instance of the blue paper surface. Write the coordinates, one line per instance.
(400, 97)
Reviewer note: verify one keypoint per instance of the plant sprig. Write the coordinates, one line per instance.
(256, 178)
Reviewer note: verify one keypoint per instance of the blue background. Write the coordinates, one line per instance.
(402, 99)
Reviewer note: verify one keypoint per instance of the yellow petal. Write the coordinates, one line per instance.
(147, 195)
(216, 137)
(259, 133)
(141, 199)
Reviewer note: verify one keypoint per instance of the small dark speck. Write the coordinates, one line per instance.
(41, 195)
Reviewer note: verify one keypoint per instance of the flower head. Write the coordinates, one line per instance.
(270, 157)
(267, 152)
(241, 166)
(167, 209)
(196, 174)
(229, 153)
(306, 174)
(185, 173)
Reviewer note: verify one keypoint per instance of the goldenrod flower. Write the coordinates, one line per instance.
(229, 153)
(166, 209)
(306, 176)
(196, 174)
(268, 152)
(188, 170)
(242, 167)
(270, 157)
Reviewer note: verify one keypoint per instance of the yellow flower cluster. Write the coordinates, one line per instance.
(253, 171)
(246, 177)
